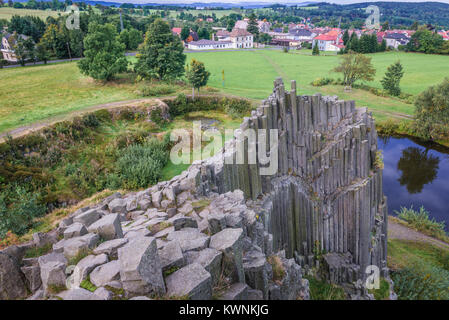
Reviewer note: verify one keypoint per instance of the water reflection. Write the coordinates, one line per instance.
(418, 168)
(416, 175)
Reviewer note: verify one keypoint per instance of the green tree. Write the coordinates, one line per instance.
(346, 37)
(253, 26)
(432, 112)
(104, 54)
(385, 26)
(414, 26)
(316, 50)
(185, 32)
(392, 77)
(203, 33)
(425, 41)
(197, 75)
(355, 66)
(42, 52)
(383, 46)
(161, 55)
(131, 38)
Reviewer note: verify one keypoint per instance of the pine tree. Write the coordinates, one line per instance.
(316, 50)
(162, 53)
(253, 26)
(392, 77)
(346, 37)
(383, 46)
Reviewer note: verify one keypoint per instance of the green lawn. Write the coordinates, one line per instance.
(7, 13)
(251, 74)
(36, 93)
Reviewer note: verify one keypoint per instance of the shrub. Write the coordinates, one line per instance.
(156, 117)
(90, 120)
(18, 208)
(421, 221)
(141, 165)
(159, 89)
(321, 290)
(319, 82)
(237, 108)
(421, 282)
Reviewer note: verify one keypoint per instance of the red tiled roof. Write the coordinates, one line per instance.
(239, 33)
(176, 30)
(326, 37)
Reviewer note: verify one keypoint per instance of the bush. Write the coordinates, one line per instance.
(156, 117)
(421, 282)
(421, 221)
(18, 208)
(319, 82)
(141, 165)
(154, 90)
(237, 108)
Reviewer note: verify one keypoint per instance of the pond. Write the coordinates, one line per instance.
(416, 174)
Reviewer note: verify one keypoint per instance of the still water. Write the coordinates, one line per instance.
(416, 174)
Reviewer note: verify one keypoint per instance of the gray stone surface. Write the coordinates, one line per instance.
(75, 230)
(106, 273)
(108, 227)
(111, 247)
(52, 267)
(12, 282)
(103, 294)
(229, 242)
(140, 267)
(171, 256)
(192, 281)
(117, 206)
(88, 217)
(85, 267)
(78, 294)
(237, 291)
(77, 245)
(210, 259)
(189, 239)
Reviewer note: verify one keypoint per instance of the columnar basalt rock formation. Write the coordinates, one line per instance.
(326, 196)
(225, 230)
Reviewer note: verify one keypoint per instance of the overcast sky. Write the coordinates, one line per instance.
(260, 1)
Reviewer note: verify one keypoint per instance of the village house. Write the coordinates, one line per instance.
(396, 39)
(223, 35)
(204, 44)
(7, 44)
(241, 38)
(264, 26)
(303, 35)
(328, 42)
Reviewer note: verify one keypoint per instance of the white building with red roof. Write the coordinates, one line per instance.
(328, 42)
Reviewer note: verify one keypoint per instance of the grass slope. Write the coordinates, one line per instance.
(7, 13)
(32, 94)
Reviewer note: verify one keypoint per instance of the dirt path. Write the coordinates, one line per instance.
(401, 232)
(41, 124)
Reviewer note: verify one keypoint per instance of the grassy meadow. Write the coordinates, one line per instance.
(7, 13)
(33, 94)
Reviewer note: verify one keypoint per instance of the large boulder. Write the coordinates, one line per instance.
(189, 239)
(76, 229)
(32, 273)
(106, 273)
(209, 259)
(117, 206)
(230, 241)
(52, 268)
(12, 284)
(108, 227)
(86, 265)
(77, 245)
(237, 291)
(140, 267)
(192, 282)
(78, 294)
(88, 217)
(111, 247)
(256, 269)
(171, 256)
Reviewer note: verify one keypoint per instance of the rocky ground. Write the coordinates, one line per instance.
(161, 243)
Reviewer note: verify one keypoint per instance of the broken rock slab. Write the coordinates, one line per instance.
(229, 241)
(117, 206)
(86, 265)
(209, 259)
(189, 239)
(171, 256)
(111, 247)
(78, 294)
(108, 227)
(140, 267)
(52, 268)
(76, 229)
(12, 284)
(88, 217)
(74, 246)
(192, 282)
(237, 291)
(106, 273)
